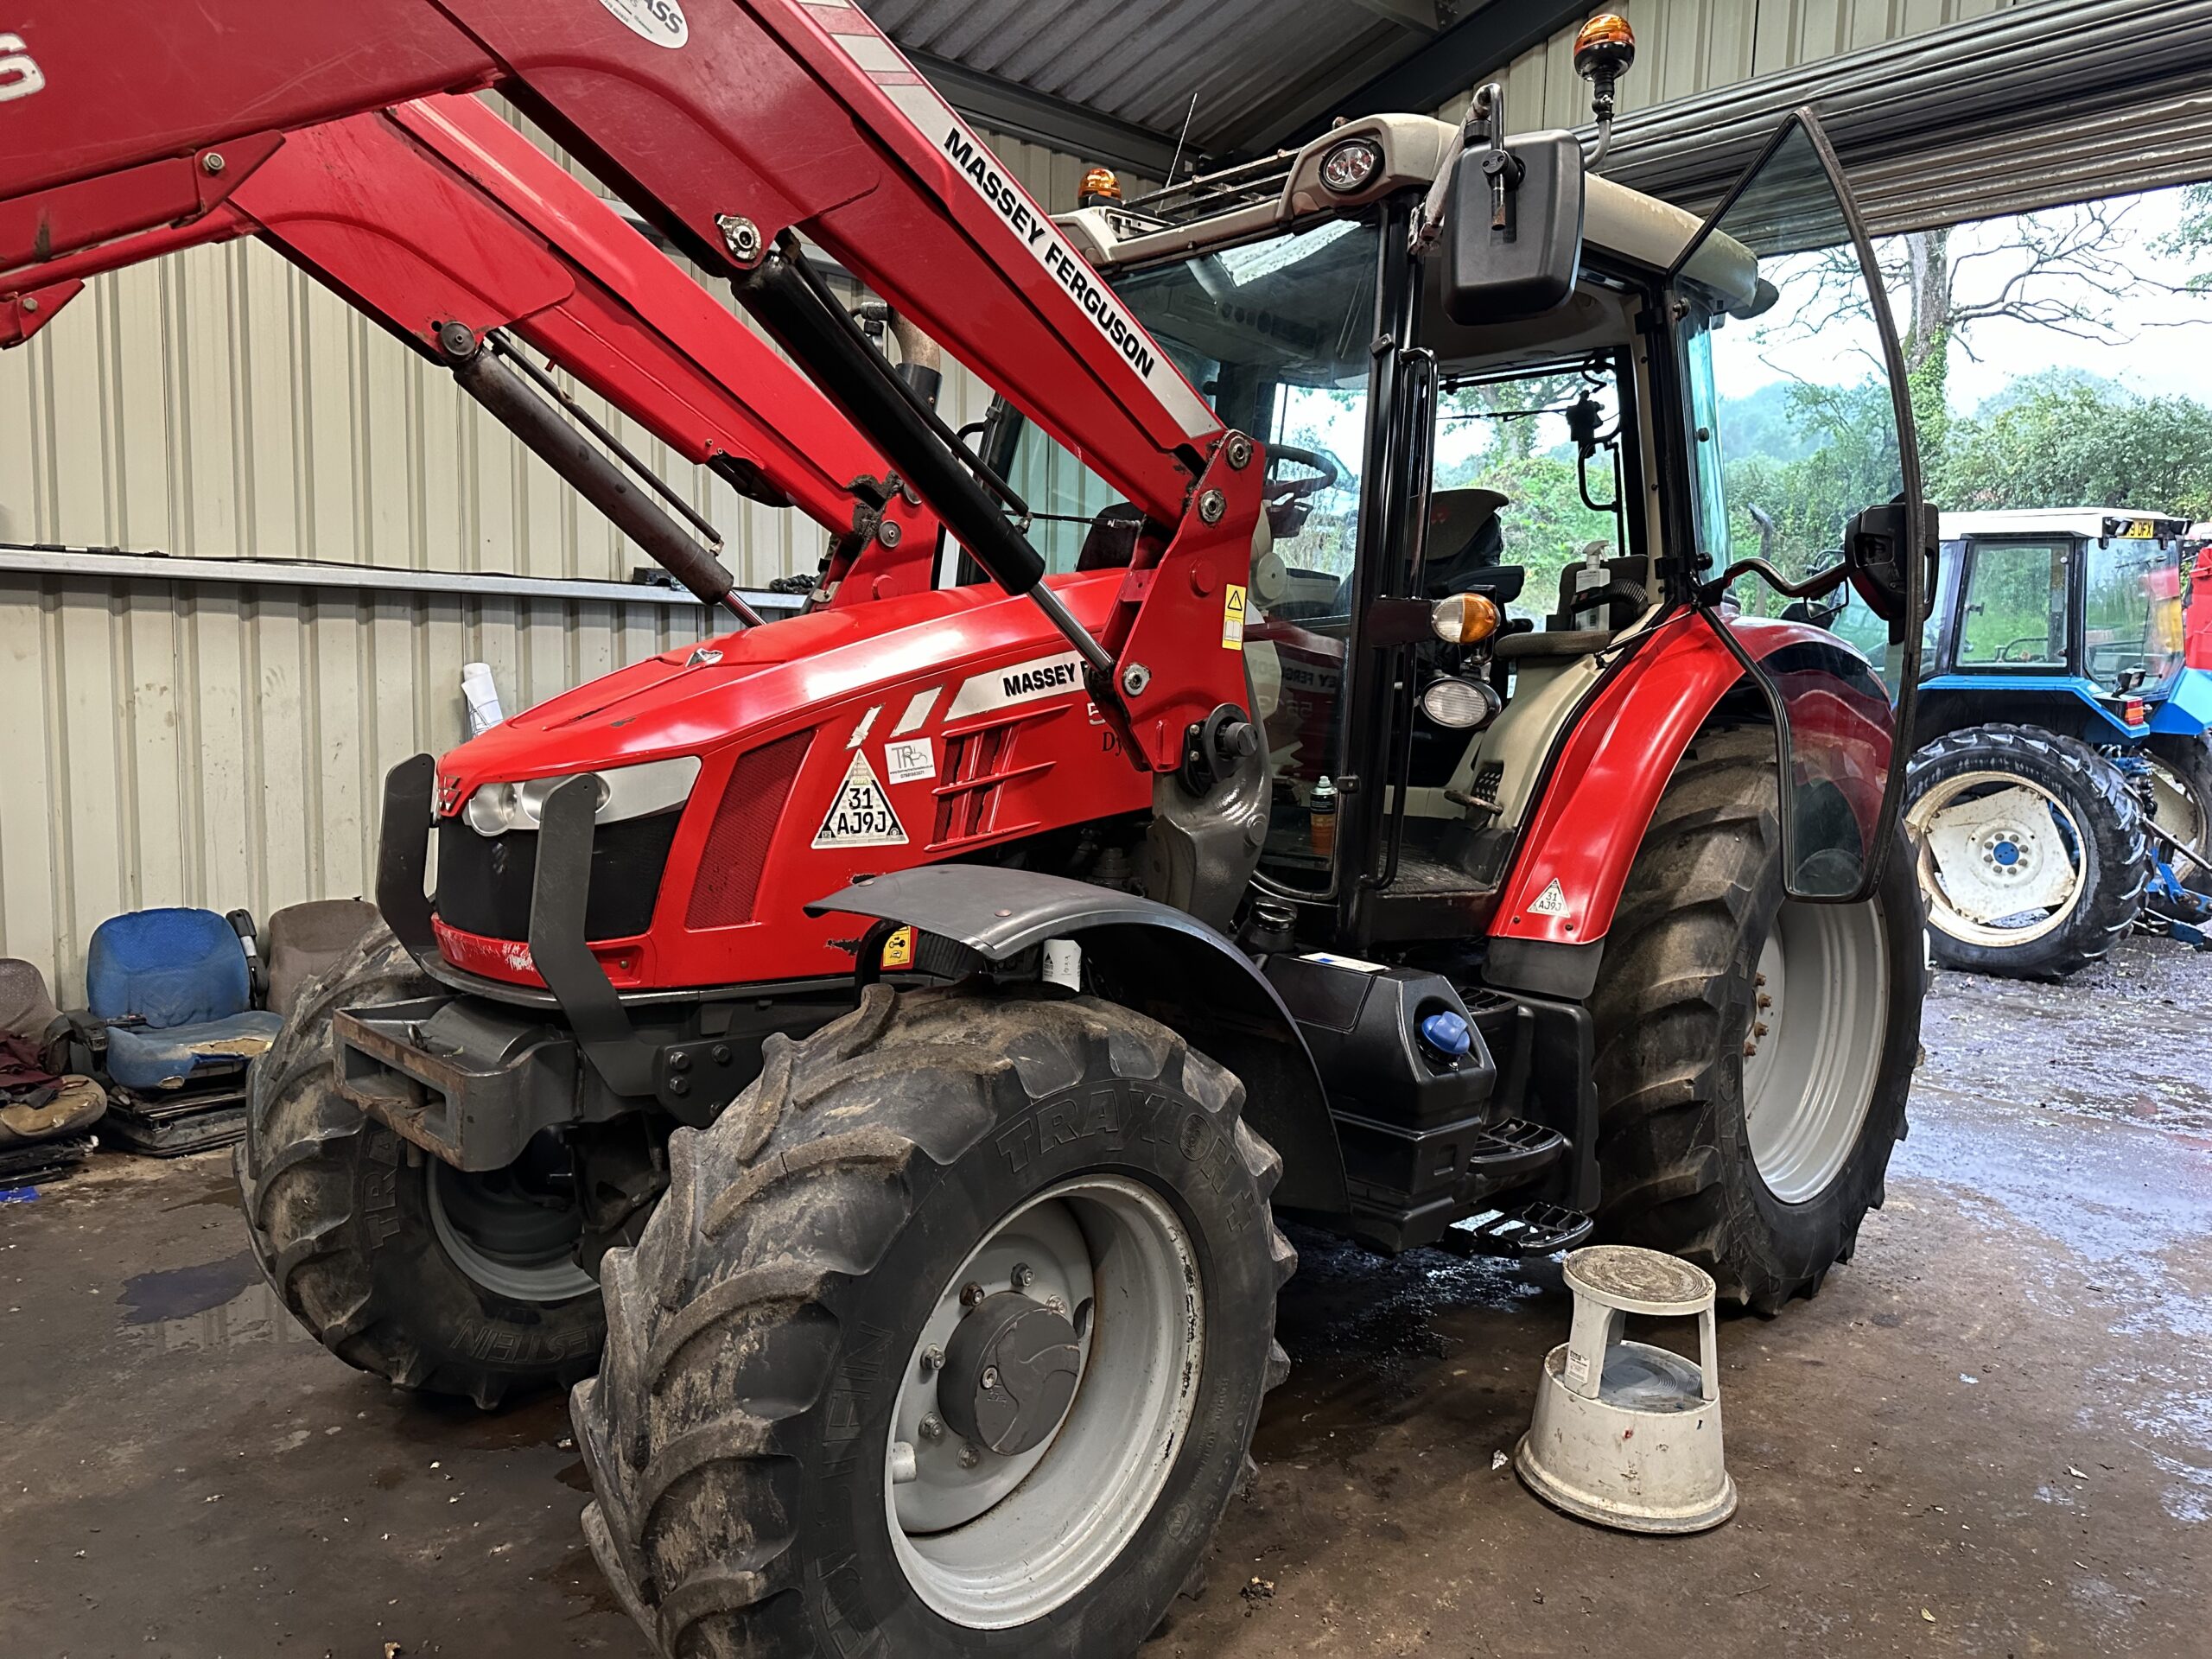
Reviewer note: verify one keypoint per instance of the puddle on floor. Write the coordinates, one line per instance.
(173, 1293)
(255, 1315)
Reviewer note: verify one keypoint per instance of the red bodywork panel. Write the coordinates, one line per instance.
(982, 682)
(2196, 646)
(1608, 776)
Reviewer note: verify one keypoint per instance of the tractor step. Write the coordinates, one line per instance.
(1505, 1154)
(1537, 1229)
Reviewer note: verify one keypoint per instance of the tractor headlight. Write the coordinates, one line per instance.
(1459, 705)
(623, 793)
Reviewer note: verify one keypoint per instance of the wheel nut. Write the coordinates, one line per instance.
(932, 1359)
(990, 1377)
(1023, 1275)
(1750, 1049)
(931, 1427)
(970, 1457)
(1056, 1306)
(970, 1295)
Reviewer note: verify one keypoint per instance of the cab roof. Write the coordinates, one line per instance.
(2096, 523)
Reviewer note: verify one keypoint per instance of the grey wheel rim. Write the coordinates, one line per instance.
(502, 1240)
(991, 1542)
(1812, 1054)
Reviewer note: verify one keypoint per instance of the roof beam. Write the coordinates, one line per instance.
(1484, 40)
(1005, 106)
(1420, 15)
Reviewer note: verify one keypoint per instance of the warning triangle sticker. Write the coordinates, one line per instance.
(860, 814)
(1552, 901)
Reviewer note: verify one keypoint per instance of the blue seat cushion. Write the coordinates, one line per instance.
(142, 1058)
(167, 967)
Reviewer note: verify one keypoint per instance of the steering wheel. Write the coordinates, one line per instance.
(1290, 499)
(2017, 651)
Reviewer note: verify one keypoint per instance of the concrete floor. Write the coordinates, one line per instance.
(1992, 1435)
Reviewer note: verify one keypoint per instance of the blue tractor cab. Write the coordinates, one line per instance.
(2063, 777)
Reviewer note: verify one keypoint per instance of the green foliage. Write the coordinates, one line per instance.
(2192, 238)
(2063, 442)
(1845, 461)
(1546, 526)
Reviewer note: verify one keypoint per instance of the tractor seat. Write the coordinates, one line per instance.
(171, 987)
(301, 941)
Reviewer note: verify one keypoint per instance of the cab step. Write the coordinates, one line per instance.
(1533, 1230)
(1505, 1154)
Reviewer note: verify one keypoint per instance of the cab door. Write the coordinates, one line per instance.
(1806, 477)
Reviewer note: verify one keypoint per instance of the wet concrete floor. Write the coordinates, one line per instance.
(1990, 1435)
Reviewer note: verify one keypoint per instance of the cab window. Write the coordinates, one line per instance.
(2015, 612)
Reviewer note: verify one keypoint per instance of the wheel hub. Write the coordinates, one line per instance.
(1010, 1372)
(2001, 863)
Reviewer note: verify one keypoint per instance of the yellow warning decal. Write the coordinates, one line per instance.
(1232, 618)
(899, 949)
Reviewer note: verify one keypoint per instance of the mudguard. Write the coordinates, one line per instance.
(1164, 965)
(1614, 764)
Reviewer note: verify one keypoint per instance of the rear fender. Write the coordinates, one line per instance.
(1605, 783)
(1158, 961)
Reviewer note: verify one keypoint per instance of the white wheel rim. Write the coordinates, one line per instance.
(2002, 861)
(1812, 1054)
(1010, 1539)
(538, 1275)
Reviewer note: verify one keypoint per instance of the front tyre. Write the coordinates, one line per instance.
(1754, 1052)
(2031, 853)
(402, 1266)
(949, 1337)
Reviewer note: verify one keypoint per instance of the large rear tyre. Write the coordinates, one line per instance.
(2032, 855)
(1753, 1052)
(399, 1264)
(949, 1337)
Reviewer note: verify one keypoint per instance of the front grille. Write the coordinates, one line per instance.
(745, 825)
(484, 881)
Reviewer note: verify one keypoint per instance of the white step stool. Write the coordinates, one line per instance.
(1627, 1435)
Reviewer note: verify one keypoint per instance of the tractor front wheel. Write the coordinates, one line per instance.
(1753, 1051)
(2030, 847)
(949, 1337)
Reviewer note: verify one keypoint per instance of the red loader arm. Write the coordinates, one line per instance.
(438, 212)
(728, 123)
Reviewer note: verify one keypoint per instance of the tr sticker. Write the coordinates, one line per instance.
(860, 815)
(908, 758)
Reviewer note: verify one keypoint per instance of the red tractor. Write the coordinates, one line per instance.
(879, 1044)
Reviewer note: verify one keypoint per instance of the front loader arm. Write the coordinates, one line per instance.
(438, 212)
(728, 123)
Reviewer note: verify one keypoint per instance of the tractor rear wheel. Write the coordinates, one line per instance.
(949, 1337)
(399, 1264)
(2181, 803)
(2032, 854)
(1753, 1051)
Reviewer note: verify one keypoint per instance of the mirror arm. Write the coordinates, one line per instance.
(1820, 582)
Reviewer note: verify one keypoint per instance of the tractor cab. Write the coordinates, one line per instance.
(1496, 475)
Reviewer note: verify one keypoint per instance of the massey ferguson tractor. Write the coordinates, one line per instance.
(869, 1054)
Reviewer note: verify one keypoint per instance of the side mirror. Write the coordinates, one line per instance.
(1513, 247)
(1875, 546)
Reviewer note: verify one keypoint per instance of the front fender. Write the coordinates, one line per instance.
(1163, 963)
(1614, 764)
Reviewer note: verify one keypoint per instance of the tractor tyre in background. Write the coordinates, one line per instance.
(949, 1337)
(397, 1263)
(1753, 1051)
(2181, 803)
(2030, 847)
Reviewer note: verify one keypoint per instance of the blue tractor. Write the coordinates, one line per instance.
(2062, 789)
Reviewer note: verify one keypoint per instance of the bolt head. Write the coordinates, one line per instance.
(887, 533)
(932, 1358)
(1750, 1049)
(1212, 504)
(990, 1377)
(970, 1294)
(1056, 1306)
(1135, 678)
(1237, 451)
(1023, 1275)
(970, 1457)
(742, 238)
(212, 161)
(30, 302)
(931, 1427)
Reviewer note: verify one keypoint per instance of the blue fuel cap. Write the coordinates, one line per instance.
(1446, 1034)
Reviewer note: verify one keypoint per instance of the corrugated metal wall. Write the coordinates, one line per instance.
(1694, 45)
(222, 744)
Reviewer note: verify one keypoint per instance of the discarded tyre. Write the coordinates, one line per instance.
(399, 1264)
(949, 1337)
(2031, 849)
(1754, 1052)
